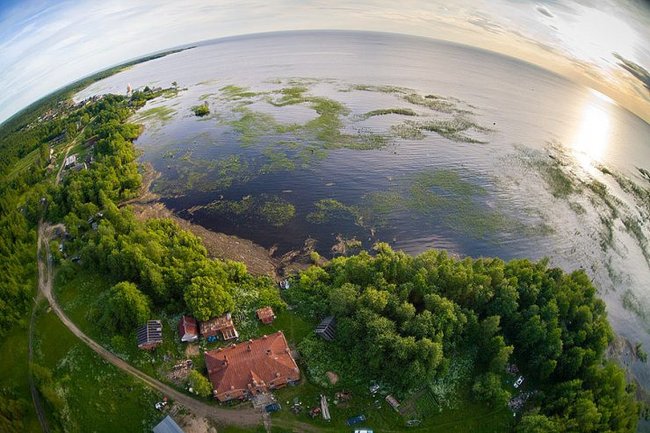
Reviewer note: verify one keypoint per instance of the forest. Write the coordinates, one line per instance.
(402, 320)
(406, 320)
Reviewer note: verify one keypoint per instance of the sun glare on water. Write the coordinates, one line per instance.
(593, 133)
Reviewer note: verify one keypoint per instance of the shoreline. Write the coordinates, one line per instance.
(258, 260)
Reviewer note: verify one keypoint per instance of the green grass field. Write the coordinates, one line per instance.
(14, 373)
(94, 395)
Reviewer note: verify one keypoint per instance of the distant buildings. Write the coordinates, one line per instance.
(222, 326)
(244, 370)
(150, 335)
(266, 315)
(326, 328)
(188, 329)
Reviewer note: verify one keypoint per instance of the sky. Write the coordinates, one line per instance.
(44, 45)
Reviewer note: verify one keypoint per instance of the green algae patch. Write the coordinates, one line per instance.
(636, 305)
(276, 160)
(276, 211)
(379, 89)
(387, 111)
(269, 209)
(455, 129)
(289, 96)
(202, 175)
(407, 131)
(251, 125)
(445, 192)
(161, 114)
(433, 102)
(237, 93)
(206, 96)
(329, 209)
(449, 181)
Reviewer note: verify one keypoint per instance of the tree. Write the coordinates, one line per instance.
(200, 384)
(487, 387)
(206, 298)
(536, 423)
(126, 307)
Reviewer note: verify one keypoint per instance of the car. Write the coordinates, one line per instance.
(519, 381)
(273, 407)
(356, 419)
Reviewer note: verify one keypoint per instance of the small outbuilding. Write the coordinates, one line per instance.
(70, 161)
(188, 329)
(326, 328)
(393, 402)
(266, 315)
(219, 325)
(167, 425)
(150, 335)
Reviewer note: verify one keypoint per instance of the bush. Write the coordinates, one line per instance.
(200, 384)
(201, 110)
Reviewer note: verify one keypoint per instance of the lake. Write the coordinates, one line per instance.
(351, 138)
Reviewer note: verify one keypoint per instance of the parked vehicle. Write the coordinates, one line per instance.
(356, 419)
(519, 381)
(273, 407)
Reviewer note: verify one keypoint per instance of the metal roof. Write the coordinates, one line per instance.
(167, 425)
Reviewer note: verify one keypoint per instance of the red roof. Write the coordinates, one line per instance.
(223, 325)
(188, 329)
(254, 366)
(266, 314)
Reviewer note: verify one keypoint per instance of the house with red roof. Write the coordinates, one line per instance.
(188, 329)
(243, 370)
(222, 326)
(266, 315)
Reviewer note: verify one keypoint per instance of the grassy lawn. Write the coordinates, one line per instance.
(24, 163)
(81, 297)
(95, 396)
(468, 417)
(14, 374)
(294, 327)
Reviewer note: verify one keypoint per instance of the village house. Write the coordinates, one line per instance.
(150, 335)
(266, 315)
(241, 371)
(70, 161)
(219, 326)
(188, 329)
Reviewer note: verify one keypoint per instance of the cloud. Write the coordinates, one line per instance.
(544, 11)
(48, 44)
(637, 71)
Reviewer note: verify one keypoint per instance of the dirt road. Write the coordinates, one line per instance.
(241, 417)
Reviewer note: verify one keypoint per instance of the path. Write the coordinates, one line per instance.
(36, 397)
(241, 417)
